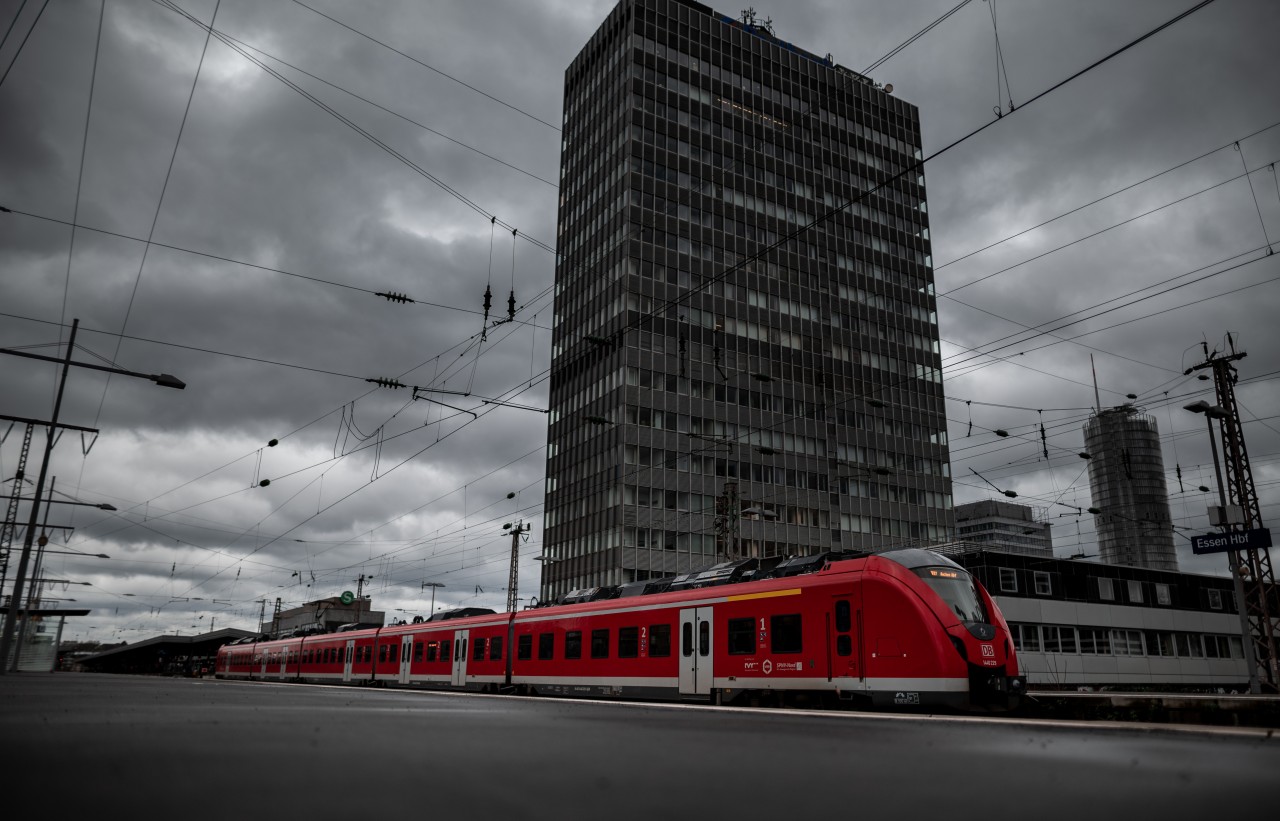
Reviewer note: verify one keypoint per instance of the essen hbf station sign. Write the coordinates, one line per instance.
(1226, 542)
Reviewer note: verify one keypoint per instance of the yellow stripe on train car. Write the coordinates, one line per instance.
(791, 591)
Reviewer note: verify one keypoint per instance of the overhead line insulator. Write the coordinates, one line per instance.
(392, 296)
(382, 382)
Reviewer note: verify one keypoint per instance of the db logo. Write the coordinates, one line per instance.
(988, 651)
(768, 667)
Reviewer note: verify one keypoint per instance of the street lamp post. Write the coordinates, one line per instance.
(11, 617)
(433, 586)
(1212, 412)
(513, 577)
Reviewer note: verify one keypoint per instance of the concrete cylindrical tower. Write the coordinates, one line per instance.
(1126, 481)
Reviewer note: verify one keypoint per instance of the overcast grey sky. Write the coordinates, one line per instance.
(273, 222)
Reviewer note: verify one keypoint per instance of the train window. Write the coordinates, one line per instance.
(628, 642)
(349, 649)
(382, 653)
(958, 591)
(742, 637)
(495, 648)
(546, 646)
(686, 639)
(477, 650)
(395, 653)
(460, 649)
(844, 645)
(785, 633)
(433, 651)
(524, 647)
(704, 638)
(417, 652)
(573, 644)
(446, 650)
(843, 622)
(659, 640)
(600, 644)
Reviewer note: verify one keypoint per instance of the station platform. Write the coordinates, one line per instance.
(1217, 709)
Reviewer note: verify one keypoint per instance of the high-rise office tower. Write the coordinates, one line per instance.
(996, 525)
(1126, 482)
(745, 358)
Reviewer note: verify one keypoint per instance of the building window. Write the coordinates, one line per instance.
(1135, 592)
(660, 640)
(1126, 642)
(600, 644)
(1162, 594)
(573, 644)
(1008, 580)
(785, 632)
(1215, 599)
(742, 637)
(1059, 639)
(628, 642)
(1027, 637)
(1107, 589)
(1095, 641)
(1044, 587)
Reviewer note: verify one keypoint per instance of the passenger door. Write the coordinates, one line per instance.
(346, 664)
(460, 657)
(406, 650)
(844, 639)
(695, 651)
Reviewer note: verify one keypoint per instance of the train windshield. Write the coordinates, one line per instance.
(958, 589)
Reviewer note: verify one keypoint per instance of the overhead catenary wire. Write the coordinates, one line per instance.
(1105, 197)
(84, 146)
(428, 67)
(25, 37)
(155, 219)
(360, 130)
(240, 262)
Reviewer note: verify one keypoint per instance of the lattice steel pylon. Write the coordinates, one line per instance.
(11, 515)
(1261, 599)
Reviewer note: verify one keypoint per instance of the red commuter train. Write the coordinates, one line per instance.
(905, 628)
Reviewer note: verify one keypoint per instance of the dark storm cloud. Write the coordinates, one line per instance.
(264, 176)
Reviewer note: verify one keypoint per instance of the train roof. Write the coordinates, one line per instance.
(742, 575)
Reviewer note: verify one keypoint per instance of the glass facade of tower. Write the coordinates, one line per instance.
(1126, 482)
(745, 358)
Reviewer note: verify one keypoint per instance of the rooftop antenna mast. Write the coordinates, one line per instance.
(1097, 397)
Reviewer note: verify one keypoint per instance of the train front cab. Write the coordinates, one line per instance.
(938, 639)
